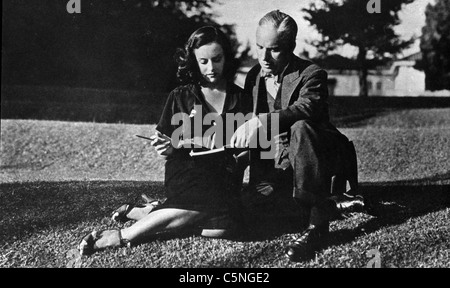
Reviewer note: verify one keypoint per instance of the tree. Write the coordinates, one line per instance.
(349, 22)
(119, 44)
(435, 46)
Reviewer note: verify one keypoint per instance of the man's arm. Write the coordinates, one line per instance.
(250, 82)
(311, 100)
(311, 104)
(244, 133)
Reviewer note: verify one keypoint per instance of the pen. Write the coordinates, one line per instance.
(147, 138)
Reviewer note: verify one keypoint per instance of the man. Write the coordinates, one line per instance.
(311, 155)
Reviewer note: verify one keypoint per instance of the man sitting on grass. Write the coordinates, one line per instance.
(313, 160)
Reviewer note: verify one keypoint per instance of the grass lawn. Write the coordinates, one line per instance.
(61, 180)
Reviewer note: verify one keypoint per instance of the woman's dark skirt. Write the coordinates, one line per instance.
(205, 184)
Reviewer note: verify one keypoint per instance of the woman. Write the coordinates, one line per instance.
(199, 190)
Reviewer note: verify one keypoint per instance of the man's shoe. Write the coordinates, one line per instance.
(347, 204)
(312, 240)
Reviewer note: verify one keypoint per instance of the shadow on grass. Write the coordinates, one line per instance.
(393, 203)
(352, 112)
(390, 203)
(31, 207)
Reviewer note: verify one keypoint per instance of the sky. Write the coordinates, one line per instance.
(246, 13)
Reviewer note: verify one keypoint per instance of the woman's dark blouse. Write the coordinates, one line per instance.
(201, 183)
(184, 99)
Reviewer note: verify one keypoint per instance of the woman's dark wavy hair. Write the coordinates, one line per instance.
(188, 71)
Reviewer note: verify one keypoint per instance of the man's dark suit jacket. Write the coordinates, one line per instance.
(304, 93)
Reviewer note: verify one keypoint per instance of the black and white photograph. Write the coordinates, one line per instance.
(235, 134)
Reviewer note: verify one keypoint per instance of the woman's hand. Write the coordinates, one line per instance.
(162, 143)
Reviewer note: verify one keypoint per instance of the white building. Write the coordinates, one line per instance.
(399, 79)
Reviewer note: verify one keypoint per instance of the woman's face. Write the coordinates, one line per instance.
(211, 62)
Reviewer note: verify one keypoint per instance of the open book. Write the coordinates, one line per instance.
(208, 145)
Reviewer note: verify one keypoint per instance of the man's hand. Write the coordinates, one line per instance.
(246, 134)
(162, 143)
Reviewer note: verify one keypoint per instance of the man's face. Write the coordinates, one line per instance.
(272, 56)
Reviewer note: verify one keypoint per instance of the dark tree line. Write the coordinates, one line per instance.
(435, 46)
(350, 22)
(119, 44)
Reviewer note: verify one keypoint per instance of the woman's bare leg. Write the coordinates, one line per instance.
(161, 220)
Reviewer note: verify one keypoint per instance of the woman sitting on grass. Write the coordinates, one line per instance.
(201, 190)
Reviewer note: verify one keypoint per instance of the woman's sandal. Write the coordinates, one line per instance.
(120, 214)
(88, 243)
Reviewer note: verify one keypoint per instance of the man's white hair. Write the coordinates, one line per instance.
(285, 25)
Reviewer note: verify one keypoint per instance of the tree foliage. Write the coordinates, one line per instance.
(349, 22)
(126, 44)
(435, 46)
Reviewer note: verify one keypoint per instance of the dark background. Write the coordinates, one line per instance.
(113, 62)
(111, 44)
